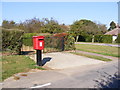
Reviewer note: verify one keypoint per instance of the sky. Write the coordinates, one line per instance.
(63, 12)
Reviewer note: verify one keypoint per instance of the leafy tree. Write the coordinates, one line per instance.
(32, 25)
(8, 24)
(112, 26)
(82, 27)
(102, 28)
(51, 26)
(65, 28)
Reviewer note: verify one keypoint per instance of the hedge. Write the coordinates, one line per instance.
(52, 42)
(103, 38)
(69, 43)
(27, 39)
(12, 40)
(118, 39)
(97, 38)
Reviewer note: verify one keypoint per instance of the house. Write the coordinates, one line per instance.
(114, 33)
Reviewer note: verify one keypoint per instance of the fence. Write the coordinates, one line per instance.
(52, 44)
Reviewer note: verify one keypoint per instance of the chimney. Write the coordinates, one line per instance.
(117, 26)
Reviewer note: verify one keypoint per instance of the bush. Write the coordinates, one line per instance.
(27, 38)
(69, 43)
(107, 39)
(118, 39)
(12, 40)
(98, 38)
(103, 38)
(88, 38)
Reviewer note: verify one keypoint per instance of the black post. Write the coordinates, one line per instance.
(39, 57)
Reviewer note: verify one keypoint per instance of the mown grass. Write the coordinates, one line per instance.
(104, 50)
(15, 64)
(92, 56)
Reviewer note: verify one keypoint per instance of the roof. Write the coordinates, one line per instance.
(113, 32)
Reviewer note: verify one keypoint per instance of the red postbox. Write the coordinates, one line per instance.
(38, 42)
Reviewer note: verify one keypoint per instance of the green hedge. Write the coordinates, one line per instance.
(118, 39)
(69, 43)
(107, 39)
(97, 38)
(52, 43)
(103, 38)
(12, 40)
(27, 39)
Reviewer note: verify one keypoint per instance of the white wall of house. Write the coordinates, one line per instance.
(114, 38)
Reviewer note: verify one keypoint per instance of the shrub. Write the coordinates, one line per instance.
(103, 38)
(107, 39)
(98, 38)
(69, 43)
(27, 38)
(88, 38)
(12, 40)
(118, 39)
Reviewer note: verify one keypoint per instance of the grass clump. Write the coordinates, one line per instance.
(15, 64)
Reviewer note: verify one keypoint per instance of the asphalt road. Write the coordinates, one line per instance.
(79, 77)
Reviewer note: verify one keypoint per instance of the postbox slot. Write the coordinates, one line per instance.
(40, 39)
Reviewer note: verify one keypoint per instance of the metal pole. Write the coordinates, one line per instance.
(39, 57)
(63, 43)
(118, 13)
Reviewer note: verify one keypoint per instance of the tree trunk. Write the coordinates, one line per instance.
(77, 38)
(93, 38)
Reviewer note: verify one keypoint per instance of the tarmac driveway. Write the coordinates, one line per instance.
(62, 60)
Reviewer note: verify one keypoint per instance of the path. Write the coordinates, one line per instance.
(63, 60)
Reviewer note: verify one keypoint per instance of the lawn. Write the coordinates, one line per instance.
(15, 64)
(92, 56)
(104, 50)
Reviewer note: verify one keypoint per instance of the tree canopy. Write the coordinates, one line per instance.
(86, 27)
(112, 26)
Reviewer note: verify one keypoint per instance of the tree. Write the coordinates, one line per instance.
(82, 27)
(64, 27)
(112, 26)
(52, 26)
(102, 28)
(8, 24)
(32, 26)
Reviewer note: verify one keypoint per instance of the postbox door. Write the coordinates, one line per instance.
(41, 44)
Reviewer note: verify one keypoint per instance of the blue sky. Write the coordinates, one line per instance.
(63, 12)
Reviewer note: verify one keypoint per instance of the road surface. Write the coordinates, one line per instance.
(77, 77)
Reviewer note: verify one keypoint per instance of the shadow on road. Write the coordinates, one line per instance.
(111, 82)
(45, 60)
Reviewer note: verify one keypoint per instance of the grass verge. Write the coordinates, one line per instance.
(104, 50)
(15, 64)
(92, 56)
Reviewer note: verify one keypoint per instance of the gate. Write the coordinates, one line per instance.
(52, 44)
